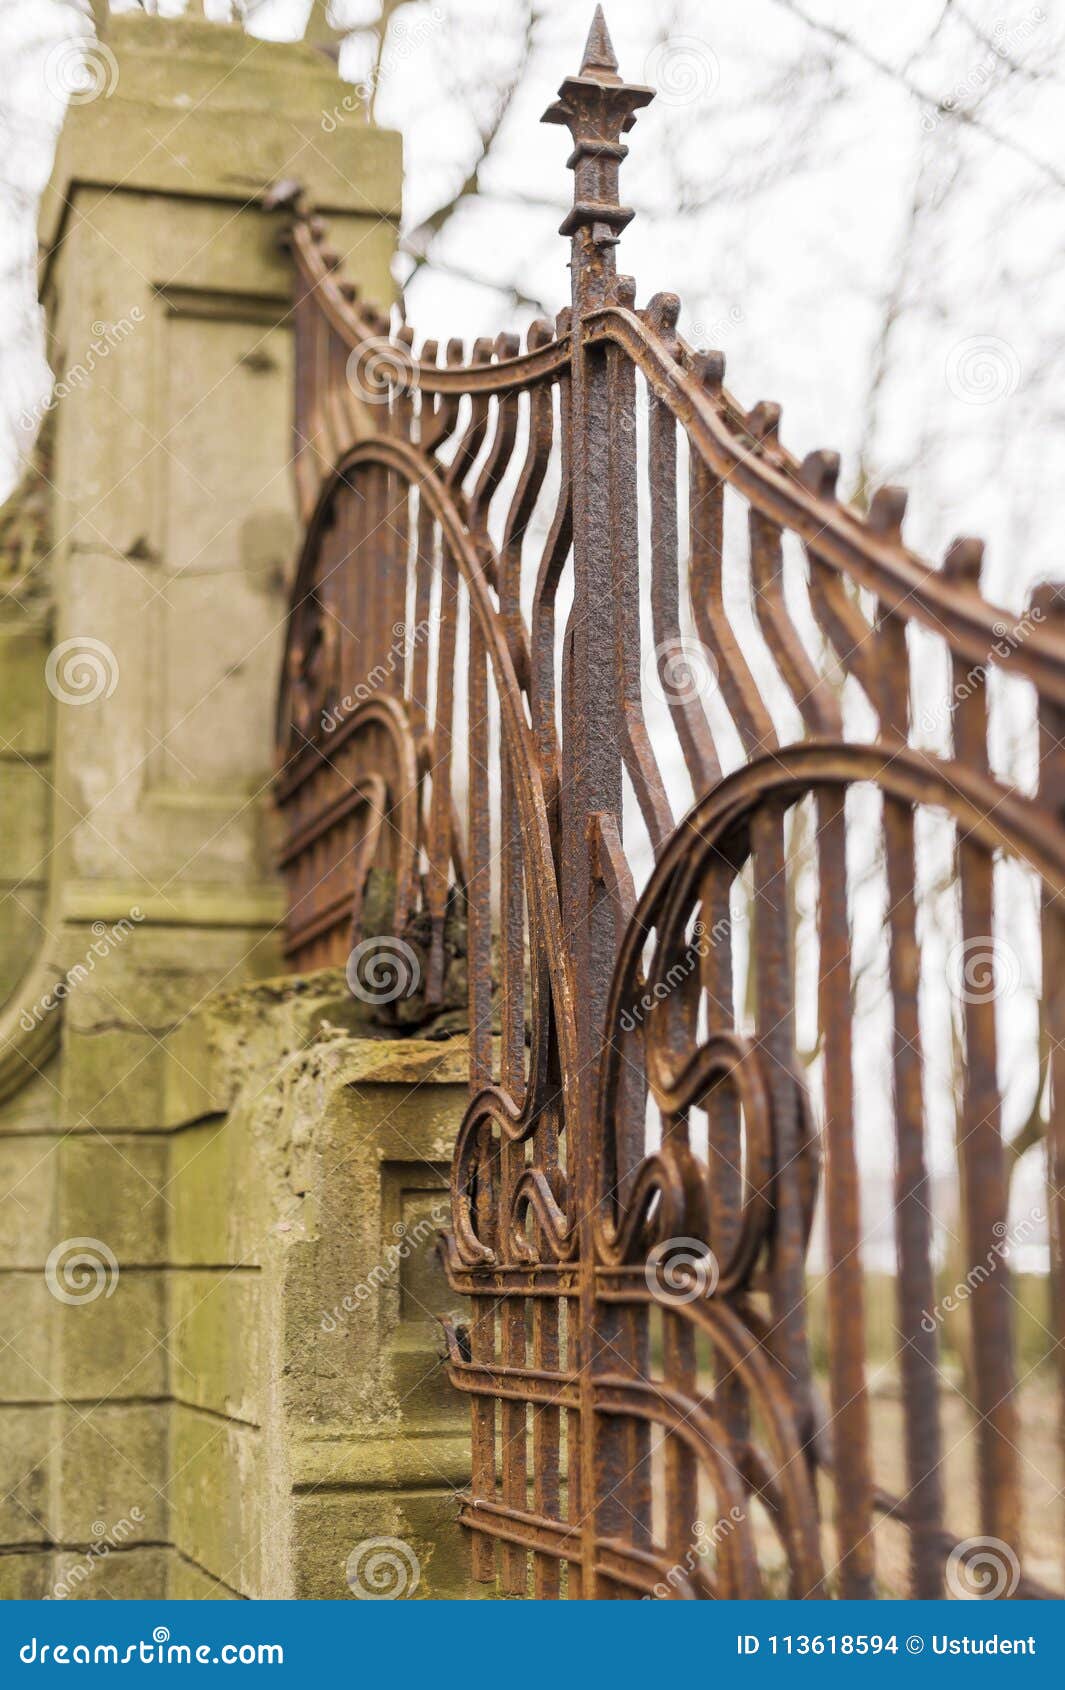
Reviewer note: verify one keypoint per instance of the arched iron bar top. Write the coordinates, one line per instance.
(738, 446)
(772, 480)
(357, 324)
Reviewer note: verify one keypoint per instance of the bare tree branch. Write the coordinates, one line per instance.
(421, 239)
(952, 113)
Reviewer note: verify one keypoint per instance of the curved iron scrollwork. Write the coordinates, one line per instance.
(635, 1181)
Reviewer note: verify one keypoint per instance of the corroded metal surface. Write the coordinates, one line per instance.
(504, 554)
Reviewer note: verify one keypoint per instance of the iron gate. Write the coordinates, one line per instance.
(513, 601)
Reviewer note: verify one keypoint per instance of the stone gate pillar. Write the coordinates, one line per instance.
(146, 563)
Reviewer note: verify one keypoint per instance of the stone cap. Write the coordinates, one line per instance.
(205, 111)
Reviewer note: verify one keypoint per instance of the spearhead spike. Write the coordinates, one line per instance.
(599, 55)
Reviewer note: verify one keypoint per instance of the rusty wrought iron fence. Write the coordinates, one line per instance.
(560, 604)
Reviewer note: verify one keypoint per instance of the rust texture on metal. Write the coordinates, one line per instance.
(503, 552)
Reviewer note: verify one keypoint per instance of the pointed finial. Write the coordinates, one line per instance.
(599, 52)
(597, 108)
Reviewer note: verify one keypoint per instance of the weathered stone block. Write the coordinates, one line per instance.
(197, 103)
(25, 1576)
(116, 1064)
(219, 1490)
(111, 1459)
(335, 1540)
(210, 1165)
(25, 805)
(27, 1371)
(32, 1105)
(217, 1342)
(28, 1437)
(115, 1189)
(130, 1574)
(27, 701)
(114, 1345)
(111, 1081)
(189, 1583)
(29, 1169)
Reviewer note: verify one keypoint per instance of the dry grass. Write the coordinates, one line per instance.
(1042, 1476)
